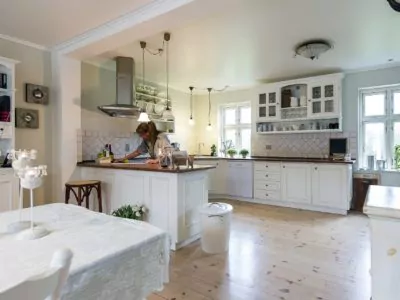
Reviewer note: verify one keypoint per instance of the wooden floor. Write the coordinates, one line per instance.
(278, 253)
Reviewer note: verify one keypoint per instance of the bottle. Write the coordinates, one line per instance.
(111, 153)
(107, 151)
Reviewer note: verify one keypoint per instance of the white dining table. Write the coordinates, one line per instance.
(114, 258)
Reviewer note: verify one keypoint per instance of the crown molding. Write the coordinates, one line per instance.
(23, 42)
(373, 68)
(126, 21)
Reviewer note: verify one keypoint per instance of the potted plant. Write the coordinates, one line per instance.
(397, 156)
(135, 212)
(213, 150)
(244, 153)
(231, 152)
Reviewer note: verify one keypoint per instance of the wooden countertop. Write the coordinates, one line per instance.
(383, 201)
(144, 167)
(279, 159)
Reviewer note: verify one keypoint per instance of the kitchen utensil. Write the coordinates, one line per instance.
(371, 162)
(294, 102)
(159, 109)
(150, 108)
(303, 101)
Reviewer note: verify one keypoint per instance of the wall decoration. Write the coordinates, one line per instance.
(36, 94)
(26, 118)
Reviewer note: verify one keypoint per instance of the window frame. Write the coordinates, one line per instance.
(237, 126)
(389, 118)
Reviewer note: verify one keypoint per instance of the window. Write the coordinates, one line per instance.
(379, 124)
(236, 125)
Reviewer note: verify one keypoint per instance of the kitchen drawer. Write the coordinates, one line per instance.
(267, 195)
(239, 164)
(267, 185)
(267, 176)
(267, 166)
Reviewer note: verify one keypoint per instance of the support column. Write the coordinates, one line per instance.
(66, 94)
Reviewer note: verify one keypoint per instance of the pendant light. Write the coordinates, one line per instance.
(143, 117)
(191, 120)
(167, 115)
(209, 127)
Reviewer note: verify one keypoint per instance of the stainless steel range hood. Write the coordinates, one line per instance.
(124, 106)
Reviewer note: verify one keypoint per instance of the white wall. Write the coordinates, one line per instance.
(34, 67)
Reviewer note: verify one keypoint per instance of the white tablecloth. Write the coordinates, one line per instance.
(113, 258)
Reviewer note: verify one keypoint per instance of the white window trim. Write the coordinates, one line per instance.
(388, 119)
(221, 121)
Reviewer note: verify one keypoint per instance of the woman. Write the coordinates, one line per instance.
(153, 141)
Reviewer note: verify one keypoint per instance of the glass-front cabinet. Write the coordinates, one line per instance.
(268, 105)
(309, 104)
(323, 99)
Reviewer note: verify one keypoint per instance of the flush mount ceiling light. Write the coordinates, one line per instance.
(395, 4)
(312, 49)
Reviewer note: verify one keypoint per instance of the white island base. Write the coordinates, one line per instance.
(382, 206)
(173, 199)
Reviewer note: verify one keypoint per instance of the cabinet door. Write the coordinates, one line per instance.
(329, 186)
(129, 190)
(323, 99)
(6, 194)
(240, 179)
(296, 182)
(268, 105)
(213, 176)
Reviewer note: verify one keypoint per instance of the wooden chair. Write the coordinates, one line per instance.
(46, 286)
(84, 187)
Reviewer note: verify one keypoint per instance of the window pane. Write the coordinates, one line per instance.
(396, 103)
(374, 105)
(245, 115)
(374, 140)
(230, 134)
(230, 116)
(245, 139)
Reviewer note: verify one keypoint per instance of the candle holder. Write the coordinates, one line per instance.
(30, 178)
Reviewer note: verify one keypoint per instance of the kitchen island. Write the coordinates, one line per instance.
(171, 196)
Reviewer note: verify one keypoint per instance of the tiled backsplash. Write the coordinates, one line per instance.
(301, 144)
(91, 142)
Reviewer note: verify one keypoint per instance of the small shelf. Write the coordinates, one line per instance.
(296, 107)
(301, 131)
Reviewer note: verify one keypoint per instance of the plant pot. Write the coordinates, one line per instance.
(244, 156)
(231, 155)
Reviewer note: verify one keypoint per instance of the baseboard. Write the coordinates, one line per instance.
(283, 204)
(186, 242)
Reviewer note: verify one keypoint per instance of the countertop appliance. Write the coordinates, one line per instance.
(337, 146)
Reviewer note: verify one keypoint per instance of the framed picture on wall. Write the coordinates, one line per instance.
(37, 94)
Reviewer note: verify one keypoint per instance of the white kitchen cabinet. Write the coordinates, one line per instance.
(296, 182)
(240, 179)
(330, 186)
(216, 177)
(324, 98)
(6, 194)
(268, 103)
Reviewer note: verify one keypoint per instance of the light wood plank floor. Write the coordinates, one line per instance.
(278, 253)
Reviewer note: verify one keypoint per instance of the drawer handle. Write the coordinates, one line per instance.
(266, 175)
(266, 194)
(266, 185)
(283, 166)
(266, 166)
(316, 168)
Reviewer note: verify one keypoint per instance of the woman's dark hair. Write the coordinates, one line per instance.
(150, 128)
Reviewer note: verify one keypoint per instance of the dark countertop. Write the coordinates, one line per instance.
(279, 159)
(144, 167)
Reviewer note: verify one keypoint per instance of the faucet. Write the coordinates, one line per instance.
(199, 148)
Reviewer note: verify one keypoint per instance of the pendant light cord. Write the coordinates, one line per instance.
(191, 101)
(209, 105)
(167, 69)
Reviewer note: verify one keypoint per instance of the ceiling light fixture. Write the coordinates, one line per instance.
(191, 120)
(143, 117)
(167, 115)
(312, 49)
(395, 4)
(209, 127)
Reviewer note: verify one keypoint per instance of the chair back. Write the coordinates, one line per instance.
(45, 286)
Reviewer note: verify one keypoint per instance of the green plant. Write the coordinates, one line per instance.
(244, 152)
(134, 212)
(397, 156)
(213, 150)
(231, 152)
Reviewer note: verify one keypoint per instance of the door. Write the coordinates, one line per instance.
(323, 99)
(296, 182)
(268, 105)
(329, 186)
(6, 193)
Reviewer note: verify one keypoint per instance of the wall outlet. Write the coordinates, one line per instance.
(127, 148)
(268, 147)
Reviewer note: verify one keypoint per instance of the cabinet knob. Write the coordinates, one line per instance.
(266, 166)
(316, 168)
(266, 175)
(309, 100)
(266, 194)
(266, 185)
(283, 166)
